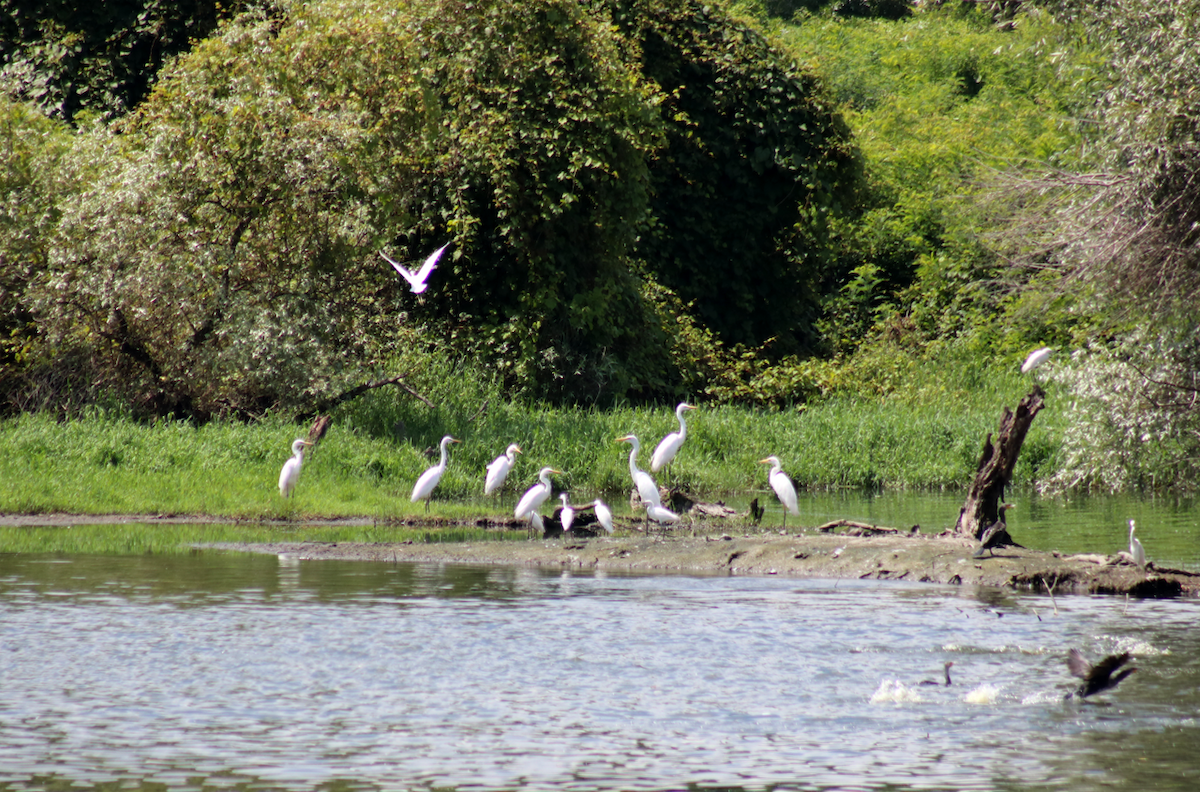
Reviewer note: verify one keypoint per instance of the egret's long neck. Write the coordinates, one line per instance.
(633, 468)
(442, 463)
(682, 425)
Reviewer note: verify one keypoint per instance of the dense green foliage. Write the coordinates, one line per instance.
(768, 204)
(219, 253)
(66, 56)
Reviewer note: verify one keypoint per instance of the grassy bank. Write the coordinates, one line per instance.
(926, 436)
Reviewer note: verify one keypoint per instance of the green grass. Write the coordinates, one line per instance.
(926, 436)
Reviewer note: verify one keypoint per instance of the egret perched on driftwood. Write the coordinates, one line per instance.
(497, 472)
(536, 495)
(647, 489)
(1036, 358)
(423, 489)
(1135, 548)
(669, 446)
(603, 514)
(291, 469)
(782, 485)
(418, 281)
(567, 515)
(1099, 677)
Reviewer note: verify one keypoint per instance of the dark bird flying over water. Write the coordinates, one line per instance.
(1099, 677)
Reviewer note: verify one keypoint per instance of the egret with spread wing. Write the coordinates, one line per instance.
(419, 280)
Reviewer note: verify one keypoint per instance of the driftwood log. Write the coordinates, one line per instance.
(992, 476)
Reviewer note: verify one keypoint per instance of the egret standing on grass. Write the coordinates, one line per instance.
(291, 469)
(536, 495)
(647, 489)
(498, 470)
(1135, 547)
(669, 446)
(782, 486)
(423, 489)
(418, 281)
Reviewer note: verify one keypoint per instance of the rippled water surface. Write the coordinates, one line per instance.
(219, 671)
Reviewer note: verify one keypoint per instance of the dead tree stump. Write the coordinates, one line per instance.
(996, 464)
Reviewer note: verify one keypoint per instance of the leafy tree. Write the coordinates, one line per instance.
(544, 135)
(67, 55)
(215, 259)
(757, 161)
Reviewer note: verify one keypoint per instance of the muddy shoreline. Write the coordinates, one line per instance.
(714, 548)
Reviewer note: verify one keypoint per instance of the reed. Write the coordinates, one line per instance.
(927, 436)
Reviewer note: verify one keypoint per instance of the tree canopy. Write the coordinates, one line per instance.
(219, 249)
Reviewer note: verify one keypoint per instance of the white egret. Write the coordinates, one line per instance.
(647, 489)
(536, 495)
(1135, 548)
(497, 472)
(603, 514)
(291, 469)
(782, 486)
(661, 514)
(567, 515)
(535, 521)
(418, 281)
(423, 489)
(1036, 358)
(1099, 677)
(669, 446)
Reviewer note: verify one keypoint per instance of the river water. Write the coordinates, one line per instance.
(217, 671)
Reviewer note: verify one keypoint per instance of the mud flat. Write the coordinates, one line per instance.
(714, 547)
(926, 559)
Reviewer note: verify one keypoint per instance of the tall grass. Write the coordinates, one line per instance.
(926, 435)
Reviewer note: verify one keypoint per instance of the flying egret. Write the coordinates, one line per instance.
(1099, 677)
(603, 514)
(418, 281)
(669, 446)
(647, 489)
(498, 470)
(995, 535)
(782, 486)
(291, 469)
(536, 495)
(1036, 358)
(1135, 547)
(423, 489)
(567, 515)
